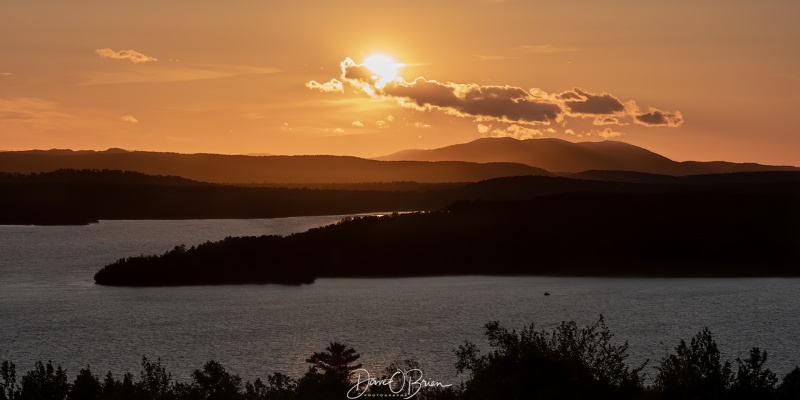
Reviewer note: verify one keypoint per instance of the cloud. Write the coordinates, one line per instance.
(582, 104)
(385, 123)
(547, 48)
(513, 131)
(6, 73)
(6, 115)
(607, 133)
(492, 57)
(256, 115)
(131, 55)
(27, 109)
(419, 125)
(129, 119)
(172, 72)
(500, 103)
(334, 85)
(659, 118)
(357, 124)
(607, 120)
(522, 132)
(21, 113)
(570, 96)
(510, 105)
(339, 130)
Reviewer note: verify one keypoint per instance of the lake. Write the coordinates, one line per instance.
(50, 309)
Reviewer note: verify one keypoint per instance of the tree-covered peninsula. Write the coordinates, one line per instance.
(568, 234)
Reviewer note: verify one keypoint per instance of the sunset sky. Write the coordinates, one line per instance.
(692, 80)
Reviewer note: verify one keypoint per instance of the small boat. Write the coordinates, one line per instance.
(547, 293)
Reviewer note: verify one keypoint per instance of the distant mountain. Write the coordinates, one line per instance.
(95, 177)
(86, 196)
(560, 156)
(270, 170)
(730, 178)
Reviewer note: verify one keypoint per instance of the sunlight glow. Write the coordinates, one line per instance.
(384, 68)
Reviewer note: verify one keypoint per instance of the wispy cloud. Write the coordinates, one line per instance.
(502, 104)
(24, 108)
(130, 55)
(331, 86)
(607, 133)
(174, 72)
(129, 119)
(546, 49)
(27, 112)
(579, 103)
(385, 123)
(513, 131)
(6, 73)
(656, 117)
(493, 57)
(606, 120)
(357, 124)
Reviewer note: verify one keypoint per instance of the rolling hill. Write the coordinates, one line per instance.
(563, 157)
(266, 170)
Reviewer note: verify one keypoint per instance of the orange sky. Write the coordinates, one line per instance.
(231, 77)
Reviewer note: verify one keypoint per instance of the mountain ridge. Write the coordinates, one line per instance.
(481, 159)
(240, 169)
(562, 157)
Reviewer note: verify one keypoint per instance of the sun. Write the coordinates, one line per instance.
(384, 68)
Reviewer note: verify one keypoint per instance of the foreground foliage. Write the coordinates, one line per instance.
(568, 362)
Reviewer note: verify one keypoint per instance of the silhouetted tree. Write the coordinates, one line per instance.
(568, 362)
(790, 385)
(9, 389)
(215, 383)
(695, 371)
(278, 387)
(118, 390)
(329, 373)
(155, 382)
(753, 381)
(44, 382)
(86, 386)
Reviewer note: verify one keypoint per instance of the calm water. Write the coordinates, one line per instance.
(50, 308)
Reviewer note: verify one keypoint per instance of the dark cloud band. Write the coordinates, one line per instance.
(659, 118)
(508, 104)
